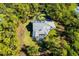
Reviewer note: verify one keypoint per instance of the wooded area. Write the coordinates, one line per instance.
(15, 39)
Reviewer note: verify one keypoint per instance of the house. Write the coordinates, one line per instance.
(41, 29)
(77, 10)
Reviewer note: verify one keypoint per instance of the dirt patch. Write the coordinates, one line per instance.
(21, 30)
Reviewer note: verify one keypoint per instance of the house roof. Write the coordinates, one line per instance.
(42, 28)
(77, 9)
(43, 25)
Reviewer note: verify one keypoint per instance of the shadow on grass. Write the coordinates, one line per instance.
(30, 28)
(24, 50)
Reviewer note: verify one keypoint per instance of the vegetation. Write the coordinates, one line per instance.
(15, 37)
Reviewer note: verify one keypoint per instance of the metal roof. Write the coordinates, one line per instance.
(42, 27)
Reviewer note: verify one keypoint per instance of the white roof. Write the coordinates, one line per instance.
(77, 9)
(50, 24)
(42, 27)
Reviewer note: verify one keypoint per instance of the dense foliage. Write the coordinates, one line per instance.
(64, 40)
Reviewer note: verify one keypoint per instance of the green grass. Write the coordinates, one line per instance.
(28, 41)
